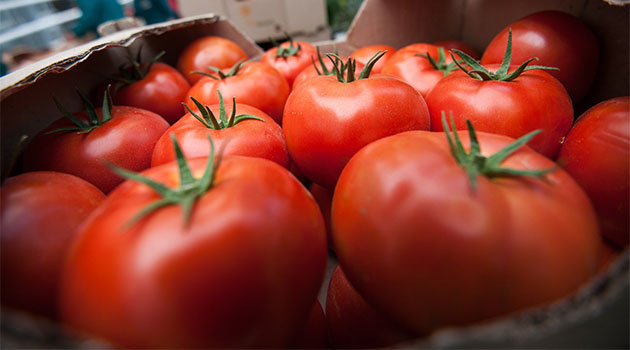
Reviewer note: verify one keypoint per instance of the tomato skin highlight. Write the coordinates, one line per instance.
(403, 204)
(40, 214)
(244, 273)
(596, 153)
(208, 51)
(557, 39)
(252, 138)
(326, 122)
(534, 100)
(127, 140)
(161, 91)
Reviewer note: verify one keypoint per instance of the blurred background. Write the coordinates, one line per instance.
(34, 29)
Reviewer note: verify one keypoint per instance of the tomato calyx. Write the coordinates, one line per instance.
(474, 163)
(134, 71)
(185, 195)
(210, 121)
(346, 72)
(440, 64)
(324, 70)
(93, 121)
(479, 72)
(286, 52)
(222, 75)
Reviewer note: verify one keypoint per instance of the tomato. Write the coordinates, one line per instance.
(364, 53)
(208, 51)
(314, 334)
(596, 152)
(260, 136)
(235, 265)
(161, 90)
(124, 136)
(499, 100)
(40, 214)
(418, 71)
(433, 244)
(559, 40)
(256, 84)
(355, 324)
(459, 45)
(326, 121)
(290, 58)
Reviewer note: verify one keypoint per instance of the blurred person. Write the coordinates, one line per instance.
(155, 11)
(95, 12)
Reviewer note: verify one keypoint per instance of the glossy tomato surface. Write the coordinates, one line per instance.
(364, 53)
(557, 39)
(211, 51)
(414, 69)
(161, 91)
(419, 244)
(244, 272)
(256, 84)
(39, 217)
(596, 153)
(251, 137)
(534, 100)
(291, 66)
(127, 140)
(326, 121)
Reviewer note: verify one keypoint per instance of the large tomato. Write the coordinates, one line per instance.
(235, 265)
(210, 51)
(327, 120)
(256, 84)
(596, 152)
(408, 64)
(159, 88)
(254, 134)
(290, 58)
(124, 136)
(364, 53)
(559, 40)
(500, 100)
(435, 243)
(39, 217)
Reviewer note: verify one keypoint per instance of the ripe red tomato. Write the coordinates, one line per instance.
(596, 152)
(161, 90)
(256, 84)
(326, 121)
(261, 137)
(126, 140)
(422, 244)
(355, 324)
(459, 45)
(364, 53)
(534, 100)
(208, 51)
(39, 217)
(559, 40)
(243, 271)
(418, 71)
(290, 58)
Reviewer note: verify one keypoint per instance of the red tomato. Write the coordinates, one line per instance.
(596, 152)
(40, 214)
(424, 246)
(242, 272)
(534, 100)
(256, 84)
(559, 40)
(363, 55)
(161, 90)
(208, 51)
(355, 324)
(249, 137)
(126, 140)
(459, 45)
(326, 121)
(289, 61)
(314, 335)
(417, 70)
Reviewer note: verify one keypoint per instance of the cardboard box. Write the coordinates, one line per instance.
(263, 19)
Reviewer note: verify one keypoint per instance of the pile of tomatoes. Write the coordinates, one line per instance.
(195, 205)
